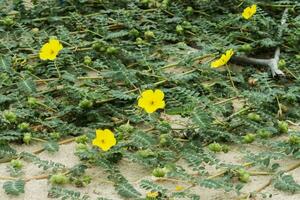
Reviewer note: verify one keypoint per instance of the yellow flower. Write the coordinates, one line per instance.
(105, 139)
(152, 194)
(151, 100)
(50, 50)
(178, 188)
(249, 11)
(223, 60)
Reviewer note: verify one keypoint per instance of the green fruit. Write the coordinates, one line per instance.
(23, 126)
(179, 29)
(81, 147)
(35, 30)
(225, 148)
(262, 133)
(81, 139)
(159, 172)
(17, 164)
(59, 179)
(245, 48)
(85, 104)
(281, 63)
(32, 101)
(249, 138)
(133, 32)
(139, 41)
(163, 139)
(254, 117)
(111, 50)
(8, 21)
(283, 127)
(27, 138)
(87, 60)
(126, 128)
(149, 35)
(215, 147)
(55, 135)
(245, 178)
(99, 46)
(189, 10)
(10, 116)
(294, 139)
(146, 153)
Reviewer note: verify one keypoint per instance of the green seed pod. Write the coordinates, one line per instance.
(27, 138)
(59, 179)
(158, 172)
(179, 29)
(249, 138)
(139, 41)
(99, 46)
(23, 126)
(189, 10)
(245, 48)
(87, 60)
(81, 139)
(81, 147)
(225, 148)
(55, 135)
(283, 127)
(126, 128)
(262, 133)
(17, 164)
(245, 178)
(163, 139)
(149, 35)
(281, 63)
(8, 21)
(215, 147)
(10, 116)
(294, 139)
(35, 30)
(254, 117)
(32, 101)
(85, 104)
(111, 50)
(146, 153)
(133, 32)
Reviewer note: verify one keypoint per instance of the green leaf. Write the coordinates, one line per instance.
(5, 63)
(51, 146)
(126, 190)
(201, 118)
(14, 187)
(27, 86)
(286, 183)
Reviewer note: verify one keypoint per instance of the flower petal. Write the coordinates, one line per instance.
(143, 102)
(159, 94)
(147, 94)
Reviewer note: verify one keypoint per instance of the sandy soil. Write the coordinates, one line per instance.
(38, 189)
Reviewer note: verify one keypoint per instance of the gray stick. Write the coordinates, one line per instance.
(272, 63)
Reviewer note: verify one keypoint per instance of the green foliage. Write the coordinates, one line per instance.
(14, 187)
(114, 50)
(286, 183)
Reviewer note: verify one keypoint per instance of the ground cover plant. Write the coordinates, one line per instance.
(153, 82)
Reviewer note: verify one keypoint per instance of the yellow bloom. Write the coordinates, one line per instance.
(223, 60)
(178, 188)
(105, 139)
(151, 100)
(50, 50)
(249, 11)
(152, 194)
